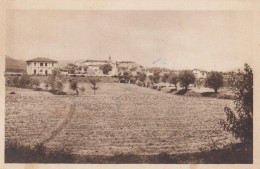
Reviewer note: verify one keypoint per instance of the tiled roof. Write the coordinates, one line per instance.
(127, 62)
(40, 59)
(96, 61)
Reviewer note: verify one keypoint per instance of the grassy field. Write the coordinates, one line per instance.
(119, 119)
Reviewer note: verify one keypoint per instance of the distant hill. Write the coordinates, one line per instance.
(15, 65)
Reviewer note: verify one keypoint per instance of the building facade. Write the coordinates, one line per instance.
(40, 66)
(199, 74)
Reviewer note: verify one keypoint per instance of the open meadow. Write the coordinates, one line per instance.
(118, 119)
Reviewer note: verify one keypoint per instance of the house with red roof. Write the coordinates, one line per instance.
(40, 66)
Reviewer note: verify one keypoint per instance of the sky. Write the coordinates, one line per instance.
(209, 40)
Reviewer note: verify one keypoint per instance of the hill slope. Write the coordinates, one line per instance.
(14, 64)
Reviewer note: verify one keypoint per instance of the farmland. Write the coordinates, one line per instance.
(120, 118)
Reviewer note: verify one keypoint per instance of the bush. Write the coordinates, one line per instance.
(16, 81)
(214, 80)
(17, 153)
(139, 83)
(165, 77)
(55, 81)
(225, 96)
(141, 76)
(132, 80)
(74, 85)
(240, 123)
(155, 77)
(24, 81)
(106, 68)
(82, 89)
(35, 83)
(93, 81)
(127, 75)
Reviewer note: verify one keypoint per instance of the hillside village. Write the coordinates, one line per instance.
(45, 66)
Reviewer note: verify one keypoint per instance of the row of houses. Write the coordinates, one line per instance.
(45, 66)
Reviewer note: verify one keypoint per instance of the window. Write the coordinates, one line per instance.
(45, 64)
(41, 64)
(28, 63)
(52, 64)
(46, 72)
(34, 63)
(34, 72)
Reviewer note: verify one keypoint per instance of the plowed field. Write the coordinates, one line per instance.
(120, 118)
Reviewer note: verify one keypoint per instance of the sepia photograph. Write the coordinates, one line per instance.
(129, 86)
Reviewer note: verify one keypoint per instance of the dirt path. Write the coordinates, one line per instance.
(62, 125)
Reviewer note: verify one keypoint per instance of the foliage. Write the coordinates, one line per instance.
(24, 81)
(186, 78)
(141, 76)
(93, 81)
(16, 81)
(240, 123)
(132, 80)
(214, 80)
(139, 83)
(35, 83)
(82, 89)
(165, 77)
(133, 69)
(155, 77)
(55, 81)
(157, 69)
(127, 75)
(74, 85)
(173, 79)
(72, 68)
(199, 82)
(17, 153)
(106, 68)
(47, 84)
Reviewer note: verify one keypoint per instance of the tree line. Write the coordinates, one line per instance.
(54, 83)
(214, 79)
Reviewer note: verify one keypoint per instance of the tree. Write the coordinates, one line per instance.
(127, 75)
(93, 81)
(35, 83)
(16, 81)
(24, 81)
(82, 89)
(106, 68)
(55, 81)
(214, 80)
(165, 77)
(74, 85)
(173, 79)
(155, 77)
(186, 78)
(71, 67)
(132, 80)
(240, 123)
(47, 84)
(141, 76)
(59, 85)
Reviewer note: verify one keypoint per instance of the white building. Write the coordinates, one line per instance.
(93, 67)
(40, 66)
(199, 74)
